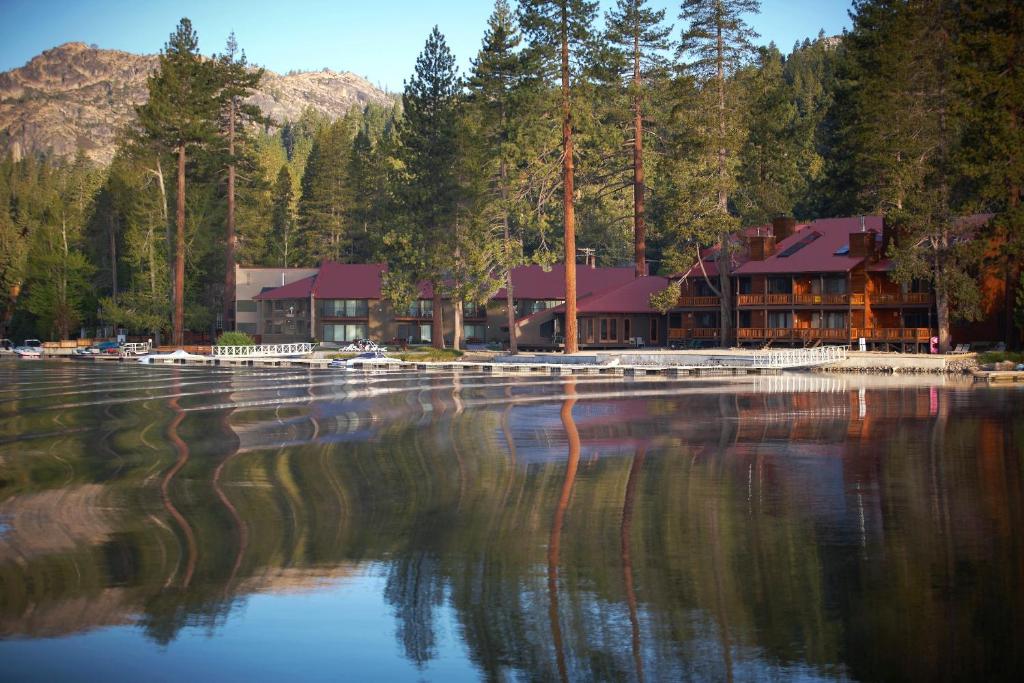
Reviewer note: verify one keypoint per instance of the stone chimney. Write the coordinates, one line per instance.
(783, 227)
(761, 246)
(862, 244)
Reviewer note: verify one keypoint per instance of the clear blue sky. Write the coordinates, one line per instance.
(376, 39)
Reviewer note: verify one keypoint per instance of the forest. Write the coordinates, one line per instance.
(639, 136)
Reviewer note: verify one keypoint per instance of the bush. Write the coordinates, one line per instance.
(235, 339)
(1000, 356)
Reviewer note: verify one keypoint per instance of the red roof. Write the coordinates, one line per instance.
(818, 255)
(740, 253)
(300, 289)
(632, 297)
(533, 282)
(349, 280)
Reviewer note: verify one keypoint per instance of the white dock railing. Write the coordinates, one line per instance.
(797, 358)
(135, 348)
(263, 351)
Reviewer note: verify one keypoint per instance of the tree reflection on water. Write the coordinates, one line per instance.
(573, 528)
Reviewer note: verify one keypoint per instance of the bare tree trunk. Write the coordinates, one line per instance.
(639, 224)
(178, 323)
(229, 270)
(571, 338)
(437, 322)
(513, 342)
(457, 337)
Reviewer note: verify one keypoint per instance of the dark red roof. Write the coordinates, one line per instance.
(817, 255)
(349, 280)
(300, 289)
(740, 253)
(632, 297)
(534, 282)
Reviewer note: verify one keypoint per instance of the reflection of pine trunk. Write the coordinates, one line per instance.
(437, 323)
(625, 537)
(240, 525)
(165, 484)
(554, 543)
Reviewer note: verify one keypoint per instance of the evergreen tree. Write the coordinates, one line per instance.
(283, 218)
(236, 81)
(180, 114)
(640, 38)
(325, 200)
(716, 45)
(561, 39)
(425, 244)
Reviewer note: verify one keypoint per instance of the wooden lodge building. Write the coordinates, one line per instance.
(793, 284)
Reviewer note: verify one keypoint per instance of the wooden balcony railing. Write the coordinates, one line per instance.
(901, 299)
(676, 333)
(800, 299)
(844, 334)
(698, 301)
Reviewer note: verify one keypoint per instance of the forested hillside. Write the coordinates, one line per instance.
(667, 138)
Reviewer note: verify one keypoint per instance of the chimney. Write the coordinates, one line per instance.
(761, 247)
(783, 227)
(862, 244)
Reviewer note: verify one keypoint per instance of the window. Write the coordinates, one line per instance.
(547, 330)
(789, 251)
(609, 329)
(590, 330)
(745, 286)
(248, 328)
(702, 288)
(426, 333)
(278, 305)
(344, 333)
(422, 308)
(829, 320)
(627, 328)
(834, 285)
(780, 319)
(245, 306)
(780, 285)
(706, 319)
(675, 320)
(525, 307)
(916, 319)
(343, 308)
(475, 332)
(745, 318)
(654, 330)
(471, 310)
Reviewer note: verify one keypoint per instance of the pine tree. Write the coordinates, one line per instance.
(325, 203)
(181, 113)
(561, 38)
(236, 81)
(283, 218)
(716, 45)
(426, 243)
(639, 38)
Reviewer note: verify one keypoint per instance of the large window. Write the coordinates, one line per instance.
(780, 285)
(248, 328)
(422, 308)
(780, 319)
(609, 329)
(245, 306)
(344, 333)
(525, 307)
(475, 332)
(471, 310)
(829, 320)
(343, 308)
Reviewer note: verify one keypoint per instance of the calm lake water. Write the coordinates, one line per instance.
(175, 523)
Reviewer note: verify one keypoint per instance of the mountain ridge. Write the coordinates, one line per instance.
(76, 96)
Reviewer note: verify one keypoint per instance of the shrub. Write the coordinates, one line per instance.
(235, 339)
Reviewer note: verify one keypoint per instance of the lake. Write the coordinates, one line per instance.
(185, 523)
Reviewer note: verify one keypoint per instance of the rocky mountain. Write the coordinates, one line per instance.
(80, 97)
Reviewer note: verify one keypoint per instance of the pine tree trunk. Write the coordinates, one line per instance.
(723, 199)
(458, 320)
(942, 315)
(639, 226)
(513, 342)
(229, 271)
(571, 340)
(437, 322)
(113, 259)
(725, 292)
(178, 323)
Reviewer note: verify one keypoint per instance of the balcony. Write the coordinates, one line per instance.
(697, 301)
(909, 298)
(681, 333)
(855, 299)
(840, 334)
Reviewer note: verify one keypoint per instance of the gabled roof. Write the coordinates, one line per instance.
(533, 282)
(300, 289)
(632, 297)
(740, 253)
(816, 247)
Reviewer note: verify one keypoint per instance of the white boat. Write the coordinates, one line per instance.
(171, 357)
(28, 352)
(368, 358)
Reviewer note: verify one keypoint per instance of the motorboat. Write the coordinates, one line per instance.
(26, 351)
(172, 357)
(376, 357)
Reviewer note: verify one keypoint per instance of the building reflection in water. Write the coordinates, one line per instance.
(585, 527)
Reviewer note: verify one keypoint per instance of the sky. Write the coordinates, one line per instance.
(378, 40)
